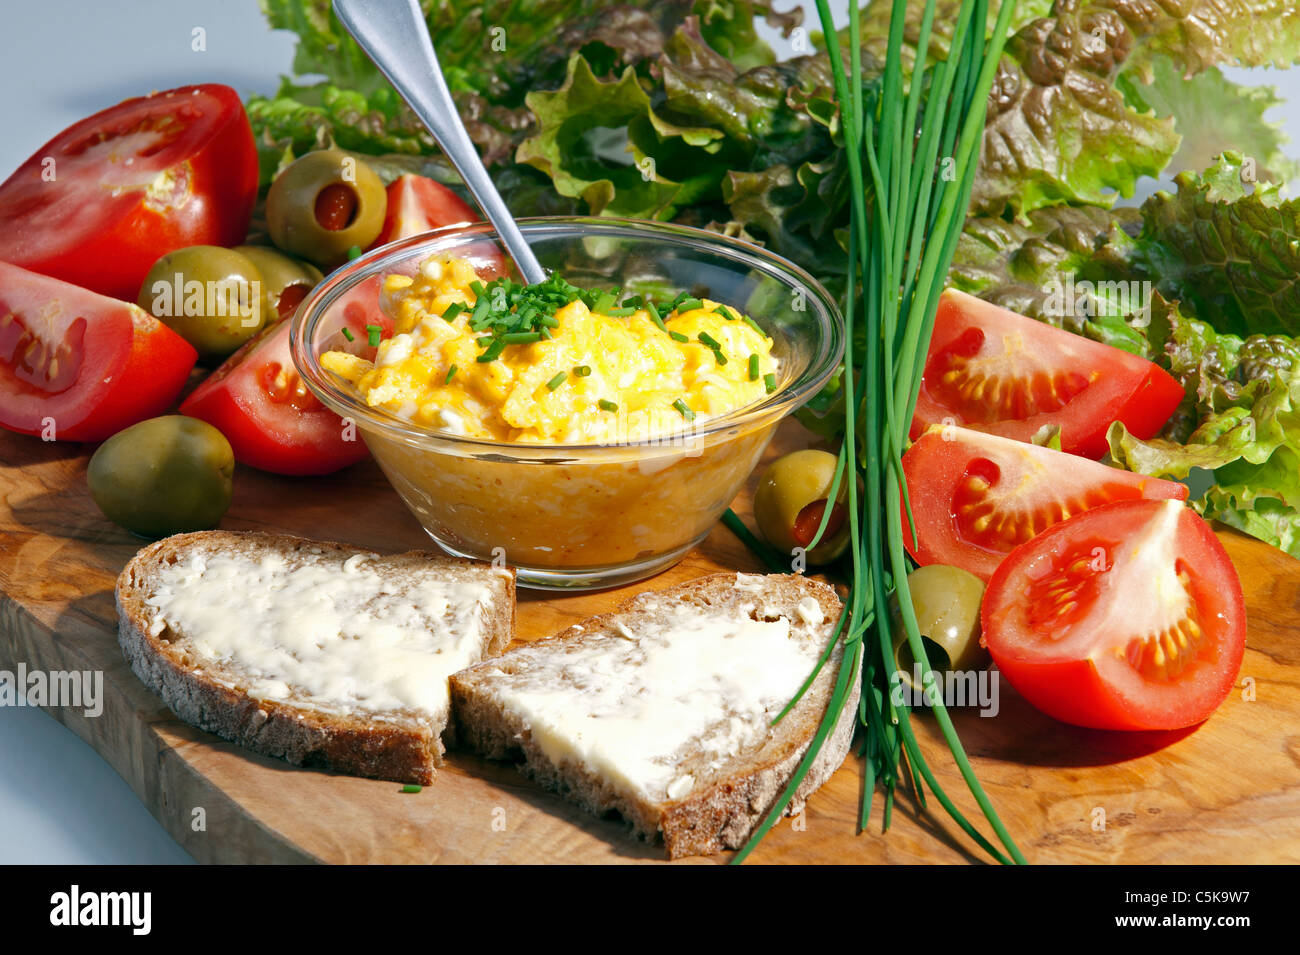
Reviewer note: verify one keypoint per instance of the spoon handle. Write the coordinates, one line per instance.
(393, 34)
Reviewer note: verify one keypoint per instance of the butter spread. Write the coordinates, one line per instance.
(633, 704)
(331, 635)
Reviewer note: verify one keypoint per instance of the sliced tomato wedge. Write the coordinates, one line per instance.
(101, 202)
(417, 204)
(257, 399)
(976, 497)
(1129, 616)
(993, 370)
(80, 366)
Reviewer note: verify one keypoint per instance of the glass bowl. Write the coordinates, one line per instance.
(582, 516)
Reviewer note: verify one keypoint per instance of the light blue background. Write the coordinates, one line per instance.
(61, 60)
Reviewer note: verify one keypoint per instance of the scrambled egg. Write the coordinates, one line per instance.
(598, 378)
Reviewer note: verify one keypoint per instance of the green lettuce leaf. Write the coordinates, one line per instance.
(1228, 250)
(1197, 34)
(580, 128)
(1026, 265)
(493, 53)
(1243, 402)
(1211, 114)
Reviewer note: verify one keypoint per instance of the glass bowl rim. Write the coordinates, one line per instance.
(828, 350)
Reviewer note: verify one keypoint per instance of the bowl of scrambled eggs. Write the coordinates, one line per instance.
(588, 430)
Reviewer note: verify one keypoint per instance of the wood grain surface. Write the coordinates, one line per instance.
(1227, 791)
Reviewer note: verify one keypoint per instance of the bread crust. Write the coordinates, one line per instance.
(401, 748)
(713, 817)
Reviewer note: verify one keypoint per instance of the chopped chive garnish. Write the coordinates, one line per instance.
(546, 332)
(347, 333)
(374, 332)
(769, 381)
(477, 288)
(451, 372)
(720, 358)
(678, 337)
(684, 410)
(753, 368)
(550, 321)
(493, 351)
(654, 316)
(754, 325)
(725, 312)
(452, 310)
(354, 253)
(606, 405)
(635, 301)
(604, 302)
(557, 380)
(582, 371)
(482, 308)
(520, 338)
(412, 788)
(710, 341)
(688, 304)
(620, 312)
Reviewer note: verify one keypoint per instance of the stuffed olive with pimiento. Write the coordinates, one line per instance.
(791, 499)
(163, 476)
(323, 204)
(285, 280)
(208, 295)
(947, 604)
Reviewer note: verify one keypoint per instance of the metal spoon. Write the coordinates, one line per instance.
(393, 34)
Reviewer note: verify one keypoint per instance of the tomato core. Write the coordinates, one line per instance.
(1068, 592)
(283, 386)
(989, 392)
(35, 362)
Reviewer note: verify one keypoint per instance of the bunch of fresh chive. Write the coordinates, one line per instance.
(899, 254)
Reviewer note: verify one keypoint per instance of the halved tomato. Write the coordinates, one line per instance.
(1129, 616)
(975, 497)
(993, 370)
(102, 201)
(417, 204)
(80, 366)
(258, 401)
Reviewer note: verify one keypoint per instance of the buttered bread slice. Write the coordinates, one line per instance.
(318, 653)
(662, 710)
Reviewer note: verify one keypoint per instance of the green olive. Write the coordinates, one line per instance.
(208, 295)
(791, 499)
(285, 280)
(947, 604)
(163, 476)
(323, 204)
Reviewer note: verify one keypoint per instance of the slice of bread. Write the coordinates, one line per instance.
(318, 653)
(661, 710)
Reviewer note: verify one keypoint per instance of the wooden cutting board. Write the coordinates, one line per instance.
(1227, 791)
